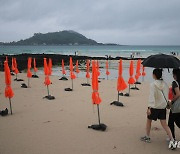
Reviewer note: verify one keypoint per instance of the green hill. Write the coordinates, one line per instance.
(56, 38)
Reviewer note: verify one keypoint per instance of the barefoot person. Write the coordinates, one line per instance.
(174, 118)
(157, 105)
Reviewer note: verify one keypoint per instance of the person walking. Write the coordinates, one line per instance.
(157, 105)
(174, 118)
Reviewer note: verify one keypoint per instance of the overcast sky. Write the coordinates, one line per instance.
(128, 22)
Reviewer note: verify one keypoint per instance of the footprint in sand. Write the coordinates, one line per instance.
(47, 121)
(156, 129)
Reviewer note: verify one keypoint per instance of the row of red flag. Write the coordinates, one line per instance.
(121, 84)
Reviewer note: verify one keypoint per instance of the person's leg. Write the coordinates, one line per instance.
(146, 138)
(171, 123)
(177, 119)
(148, 127)
(166, 128)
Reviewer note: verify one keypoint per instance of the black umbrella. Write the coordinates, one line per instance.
(161, 61)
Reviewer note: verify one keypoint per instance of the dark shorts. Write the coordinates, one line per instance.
(157, 114)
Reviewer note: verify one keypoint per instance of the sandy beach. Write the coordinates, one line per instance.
(60, 126)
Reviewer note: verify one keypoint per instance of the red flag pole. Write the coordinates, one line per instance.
(10, 105)
(98, 114)
(48, 90)
(72, 84)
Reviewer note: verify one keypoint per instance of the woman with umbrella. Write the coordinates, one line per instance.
(175, 117)
(157, 105)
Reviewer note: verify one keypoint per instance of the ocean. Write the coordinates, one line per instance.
(112, 50)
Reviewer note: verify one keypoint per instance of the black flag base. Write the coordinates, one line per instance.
(63, 78)
(101, 127)
(12, 74)
(121, 94)
(68, 89)
(35, 76)
(135, 88)
(127, 94)
(85, 84)
(23, 85)
(137, 82)
(4, 112)
(49, 97)
(18, 80)
(116, 103)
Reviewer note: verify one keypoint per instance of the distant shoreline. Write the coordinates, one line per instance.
(56, 58)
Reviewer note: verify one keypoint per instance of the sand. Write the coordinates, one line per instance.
(60, 126)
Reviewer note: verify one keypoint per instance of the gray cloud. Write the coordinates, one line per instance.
(123, 22)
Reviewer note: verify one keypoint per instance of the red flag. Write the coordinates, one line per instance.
(97, 65)
(63, 70)
(50, 66)
(46, 68)
(87, 69)
(7, 58)
(16, 71)
(143, 73)
(8, 90)
(46, 72)
(77, 69)
(29, 74)
(95, 94)
(35, 68)
(138, 69)
(47, 80)
(131, 71)
(12, 66)
(72, 75)
(121, 84)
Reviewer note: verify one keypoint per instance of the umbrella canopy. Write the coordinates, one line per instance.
(12, 65)
(63, 70)
(107, 66)
(29, 74)
(161, 61)
(46, 68)
(77, 69)
(46, 72)
(29, 62)
(72, 75)
(71, 64)
(16, 71)
(121, 84)
(95, 94)
(8, 90)
(35, 68)
(97, 65)
(87, 69)
(138, 69)
(50, 66)
(47, 80)
(131, 72)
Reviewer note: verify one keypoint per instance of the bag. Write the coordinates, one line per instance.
(175, 108)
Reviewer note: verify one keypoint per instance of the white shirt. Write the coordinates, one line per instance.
(156, 98)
